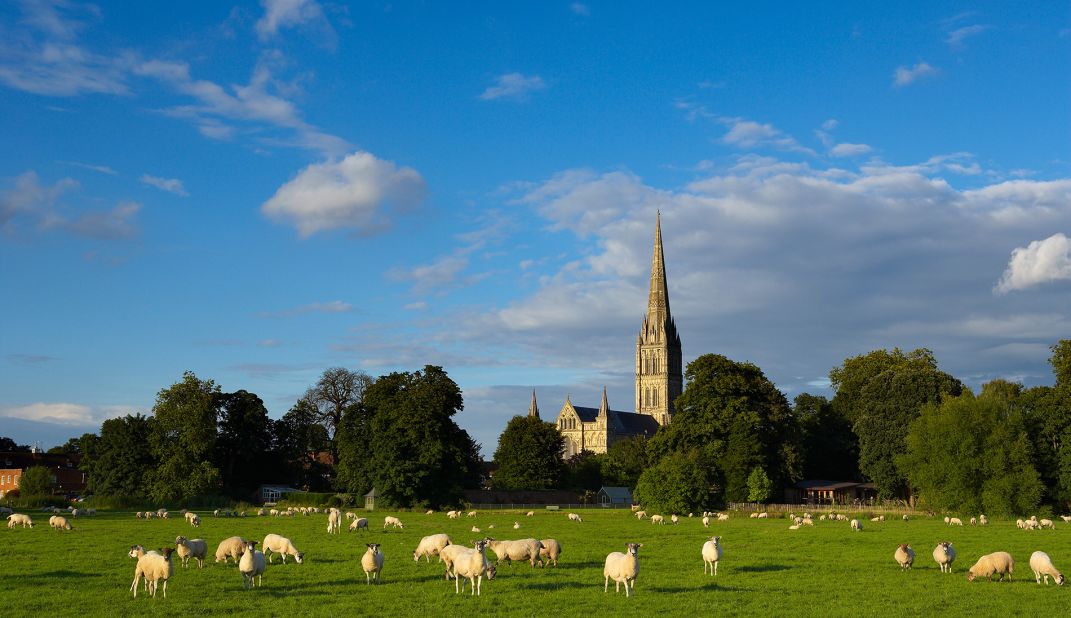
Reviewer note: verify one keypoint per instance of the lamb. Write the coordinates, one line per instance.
(275, 544)
(351, 515)
(252, 566)
(231, 547)
(983, 520)
(999, 562)
(807, 521)
(372, 563)
(196, 549)
(674, 519)
(550, 550)
(955, 521)
(452, 514)
(431, 546)
(641, 514)
(948, 520)
(658, 519)
(16, 519)
(794, 527)
(472, 513)
(712, 555)
(706, 521)
(622, 568)
(575, 517)
(154, 568)
(359, 524)
(945, 555)
(430, 512)
(904, 556)
(195, 521)
(476, 529)
(905, 517)
(856, 525)
(59, 522)
(723, 517)
(334, 522)
(763, 515)
(524, 549)
(1066, 518)
(392, 521)
(1047, 523)
(974, 521)
(1042, 566)
(530, 514)
(472, 564)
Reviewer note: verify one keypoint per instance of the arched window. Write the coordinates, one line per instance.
(655, 397)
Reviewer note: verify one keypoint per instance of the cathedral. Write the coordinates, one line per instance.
(659, 378)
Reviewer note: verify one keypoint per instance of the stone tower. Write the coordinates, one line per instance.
(533, 408)
(659, 378)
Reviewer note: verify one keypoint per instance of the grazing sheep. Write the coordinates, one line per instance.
(706, 521)
(763, 515)
(275, 544)
(945, 555)
(875, 519)
(252, 566)
(641, 514)
(430, 512)
(17, 519)
(372, 563)
(472, 513)
(1046, 523)
(807, 521)
(622, 568)
(1066, 518)
(351, 515)
(472, 564)
(530, 514)
(904, 556)
(905, 517)
(999, 562)
(231, 547)
(575, 517)
(1042, 566)
(453, 514)
(674, 519)
(955, 521)
(59, 522)
(550, 550)
(359, 524)
(723, 517)
(948, 520)
(392, 521)
(524, 549)
(476, 529)
(431, 546)
(658, 519)
(856, 525)
(983, 520)
(334, 522)
(196, 549)
(154, 568)
(712, 555)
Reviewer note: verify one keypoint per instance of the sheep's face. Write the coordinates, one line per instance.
(374, 548)
(300, 557)
(133, 553)
(634, 548)
(179, 540)
(1060, 579)
(970, 576)
(491, 572)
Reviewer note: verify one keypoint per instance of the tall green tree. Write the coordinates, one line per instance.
(72, 446)
(737, 420)
(244, 442)
(9, 445)
(297, 438)
(681, 482)
(829, 447)
(759, 486)
(1047, 413)
(183, 440)
(882, 393)
(583, 472)
(337, 390)
(36, 481)
(117, 462)
(529, 455)
(625, 461)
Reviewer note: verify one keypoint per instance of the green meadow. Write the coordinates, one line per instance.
(767, 569)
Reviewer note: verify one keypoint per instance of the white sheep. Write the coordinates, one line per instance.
(905, 517)
(154, 568)
(904, 556)
(641, 514)
(252, 566)
(230, 547)
(530, 514)
(575, 517)
(351, 515)
(472, 564)
(658, 519)
(763, 515)
(447, 556)
(359, 524)
(431, 546)
(944, 554)
(472, 513)
(712, 555)
(372, 563)
(516, 525)
(59, 522)
(275, 544)
(948, 519)
(475, 529)
(856, 525)
(955, 521)
(622, 568)
(392, 521)
(706, 521)
(196, 549)
(974, 521)
(1046, 523)
(723, 517)
(674, 519)
(1041, 565)
(549, 551)
(524, 549)
(983, 520)
(1066, 518)
(430, 512)
(453, 514)
(999, 562)
(16, 519)
(334, 522)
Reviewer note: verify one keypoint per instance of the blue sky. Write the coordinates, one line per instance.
(258, 191)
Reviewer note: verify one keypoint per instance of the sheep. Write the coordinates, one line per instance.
(274, 512)
(904, 556)
(875, 519)
(524, 549)
(16, 519)
(231, 547)
(983, 520)
(635, 507)
(706, 521)
(763, 515)
(641, 514)
(372, 563)
(351, 515)
(472, 513)
(948, 520)
(196, 549)
(945, 555)
(1066, 518)
(448, 554)
(195, 521)
(472, 564)
(1042, 566)
(5, 511)
(475, 529)
(723, 517)
(575, 517)
(275, 544)
(431, 546)
(1047, 523)
(162, 513)
(674, 519)
(530, 514)
(491, 527)
(430, 512)
(999, 562)
(905, 517)
(550, 550)
(453, 514)
(261, 513)
(59, 522)
(252, 566)
(359, 524)
(516, 525)
(807, 521)
(955, 521)
(974, 521)
(334, 522)
(622, 568)
(139, 515)
(658, 519)
(712, 555)
(76, 513)
(392, 521)
(794, 527)
(154, 568)
(856, 525)
(1020, 524)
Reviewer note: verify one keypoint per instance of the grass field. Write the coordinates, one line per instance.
(767, 569)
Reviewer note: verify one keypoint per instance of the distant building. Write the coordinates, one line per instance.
(614, 495)
(270, 494)
(659, 378)
(66, 476)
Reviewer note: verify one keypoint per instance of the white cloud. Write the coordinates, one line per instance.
(357, 193)
(335, 306)
(61, 413)
(171, 185)
(513, 86)
(849, 150)
(416, 306)
(279, 14)
(905, 75)
(580, 9)
(830, 124)
(269, 343)
(956, 37)
(749, 134)
(30, 198)
(1042, 261)
(102, 169)
(115, 224)
(442, 272)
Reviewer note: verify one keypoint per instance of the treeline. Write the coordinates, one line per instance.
(896, 419)
(348, 433)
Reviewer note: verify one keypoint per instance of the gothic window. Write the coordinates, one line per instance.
(655, 396)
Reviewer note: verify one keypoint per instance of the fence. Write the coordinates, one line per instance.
(855, 505)
(542, 507)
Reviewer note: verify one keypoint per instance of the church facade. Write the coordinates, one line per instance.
(659, 377)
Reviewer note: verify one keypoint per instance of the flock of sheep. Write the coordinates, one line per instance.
(470, 564)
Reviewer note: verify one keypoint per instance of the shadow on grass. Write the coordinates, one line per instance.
(61, 574)
(766, 568)
(553, 585)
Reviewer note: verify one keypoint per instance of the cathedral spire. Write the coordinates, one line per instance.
(658, 299)
(604, 407)
(533, 409)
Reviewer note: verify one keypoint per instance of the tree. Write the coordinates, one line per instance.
(36, 481)
(759, 486)
(297, 438)
(678, 483)
(183, 440)
(882, 392)
(625, 461)
(118, 462)
(583, 472)
(9, 445)
(337, 389)
(243, 443)
(829, 447)
(971, 454)
(71, 447)
(1047, 414)
(737, 419)
(529, 455)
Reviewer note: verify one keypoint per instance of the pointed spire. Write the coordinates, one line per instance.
(658, 300)
(604, 407)
(533, 409)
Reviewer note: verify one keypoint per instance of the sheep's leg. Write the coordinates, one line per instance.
(457, 590)
(617, 587)
(715, 567)
(606, 584)
(165, 588)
